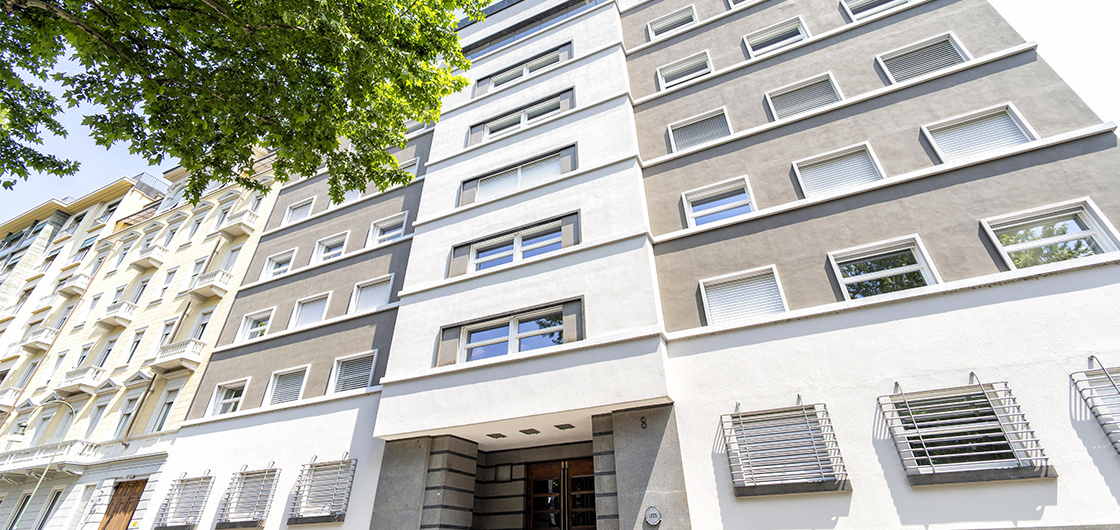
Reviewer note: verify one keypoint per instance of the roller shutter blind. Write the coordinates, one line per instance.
(977, 135)
(371, 296)
(699, 132)
(804, 99)
(311, 311)
(837, 173)
(287, 387)
(354, 373)
(930, 58)
(744, 297)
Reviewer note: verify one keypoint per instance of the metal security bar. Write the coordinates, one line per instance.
(968, 428)
(782, 446)
(323, 490)
(184, 503)
(1101, 391)
(249, 496)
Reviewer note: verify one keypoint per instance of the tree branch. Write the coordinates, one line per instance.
(57, 10)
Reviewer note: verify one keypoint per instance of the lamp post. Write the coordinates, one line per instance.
(22, 428)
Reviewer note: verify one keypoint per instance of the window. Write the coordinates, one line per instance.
(519, 333)
(227, 397)
(884, 267)
(742, 295)
(17, 514)
(952, 430)
(164, 410)
(803, 96)
(278, 264)
(1051, 234)
(135, 345)
(123, 254)
(27, 373)
(298, 211)
(199, 264)
(119, 293)
(48, 510)
(41, 429)
(703, 129)
(922, 58)
(286, 387)
(672, 23)
(773, 38)
(330, 248)
(201, 323)
(255, 203)
(95, 418)
(858, 9)
(127, 410)
(388, 229)
(170, 235)
(355, 372)
(987, 130)
(196, 223)
(371, 294)
(92, 306)
(684, 70)
(139, 291)
(717, 202)
(65, 314)
(523, 175)
(83, 354)
(838, 170)
(109, 211)
(522, 117)
(786, 450)
(231, 258)
(410, 166)
(309, 311)
(167, 279)
(521, 245)
(184, 503)
(83, 250)
(523, 69)
(97, 261)
(165, 334)
(248, 498)
(322, 492)
(49, 260)
(255, 325)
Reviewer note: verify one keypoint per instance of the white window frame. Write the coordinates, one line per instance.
(883, 8)
(524, 117)
(46, 509)
(799, 21)
(18, 512)
(1009, 107)
(267, 401)
(798, 85)
(173, 322)
(523, 68)
(374, 237)
(197, 326)
(353, 304)
(512, 338)
(296, 309)
(911, 242)
(168, 279)
(749, 273)
(1100, 228)
(699, 118)
(121, 429)
(267, 269)
(518, 250)
(321, 244)
(91, 422)
(215, 399)
(288, 211)
(338, 363)
(174, 385)
(138, 334)
(653, 37)
(836, 153)
(714, 189)
(411, 165)
(882, 58)
(244, 330)
(235, 250)
(662, 84)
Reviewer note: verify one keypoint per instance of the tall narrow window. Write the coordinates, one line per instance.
(803, 96)
(170, 235)
(135, 345)
(201, 324)
(123, 254)
(127, 410)
(672, 23)
(95, 419)
(167, 279)
(773, 38)
(979, 132)
(699, 130)
(106, 350)
(309, 311)
(838, 170)
(1060, 232)
(684, 70)
(231, 258)
(164, 410)
(287, 387)
(881, 268)
(742, 295)
(17, 514)
(922, 58)
(371, 295)
(48, 510)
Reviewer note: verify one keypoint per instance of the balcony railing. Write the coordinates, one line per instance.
(74, 285)
(118, 314)
(183, 354)
(213, 283)
(82, 380)
(70, 451)
(150, 257)
(240, 223)
(40, 339)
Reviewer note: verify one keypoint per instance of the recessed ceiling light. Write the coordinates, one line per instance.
(565, 426)
(496, 435)
(530, 431)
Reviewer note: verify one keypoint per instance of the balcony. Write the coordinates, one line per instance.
(240, 223)
(213, 283)
(183, 354)
(74, 285)
(8, 398)
(40, 339)
(118, 314)
(150, 257)
(64, 455)
(82, 380)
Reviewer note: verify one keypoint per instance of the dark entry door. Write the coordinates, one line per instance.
(562, 495)
(126, 495)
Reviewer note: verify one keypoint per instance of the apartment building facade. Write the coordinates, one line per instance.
(106, 370)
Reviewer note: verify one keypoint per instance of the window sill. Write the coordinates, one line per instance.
(310, 327)
(35, 276)
(985, 475)
(110, 273)
(62, 237)
(69, 266)
(793, 488)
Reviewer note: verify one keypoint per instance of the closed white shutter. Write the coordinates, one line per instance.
(371, 296)
(354, 373)
(497, 185)
(684, 70)
(536, 172)
(298, 212)
(804, 99)
(930, 58)
(287, 387)
(699, 132)
(841, 172)
(311, 311)
(745, 297)
(977, 135)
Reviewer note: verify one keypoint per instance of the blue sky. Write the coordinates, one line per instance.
(1071, 39)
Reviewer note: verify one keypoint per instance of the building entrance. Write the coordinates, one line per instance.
(561, 495)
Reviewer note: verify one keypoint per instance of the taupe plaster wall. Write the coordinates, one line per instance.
(634, 21)
(945, 210)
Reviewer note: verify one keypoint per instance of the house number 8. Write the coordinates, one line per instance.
(644, 422)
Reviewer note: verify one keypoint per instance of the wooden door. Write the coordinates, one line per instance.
(562, 495)
(126, 495)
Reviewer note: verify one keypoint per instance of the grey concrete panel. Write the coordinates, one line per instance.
(987, 475)
(945, 210)
(400, 484)
(650, 470)
(451, 476)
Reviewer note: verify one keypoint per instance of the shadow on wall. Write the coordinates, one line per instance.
(1011, 500)
(1091, 434)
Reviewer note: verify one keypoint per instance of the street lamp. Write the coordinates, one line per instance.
(22, 428)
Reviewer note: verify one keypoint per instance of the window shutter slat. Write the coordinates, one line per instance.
(688, 69)
(540, 171)
(497, 185)
(287, 387)
(804, 99)
(311, 312)
(703, 131)
(299, 212)
(354, 373)
(837, 173)
(924, 60)
(745, 297)
(994, 131)
(372, 296)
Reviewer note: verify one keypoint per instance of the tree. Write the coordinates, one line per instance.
(325, 83)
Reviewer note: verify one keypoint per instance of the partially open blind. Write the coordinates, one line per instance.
(733, 300)
(977, 135)
(843, 171)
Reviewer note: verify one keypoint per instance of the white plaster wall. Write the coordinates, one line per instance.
(288, 437)
(1032, 334)
(503, 19)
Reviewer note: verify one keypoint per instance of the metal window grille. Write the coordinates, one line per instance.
(792, 445)
(323, 490)
(977, 135)
(844, 171)
(249, 496)
(1101, 391)
(701, 131)
(744, 297)
(929, 58)
(185, 502)
(968, 428)
(354, 373)
(804, 99)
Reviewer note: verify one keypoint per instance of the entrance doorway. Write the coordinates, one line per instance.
(126, 495)
(562, 495)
